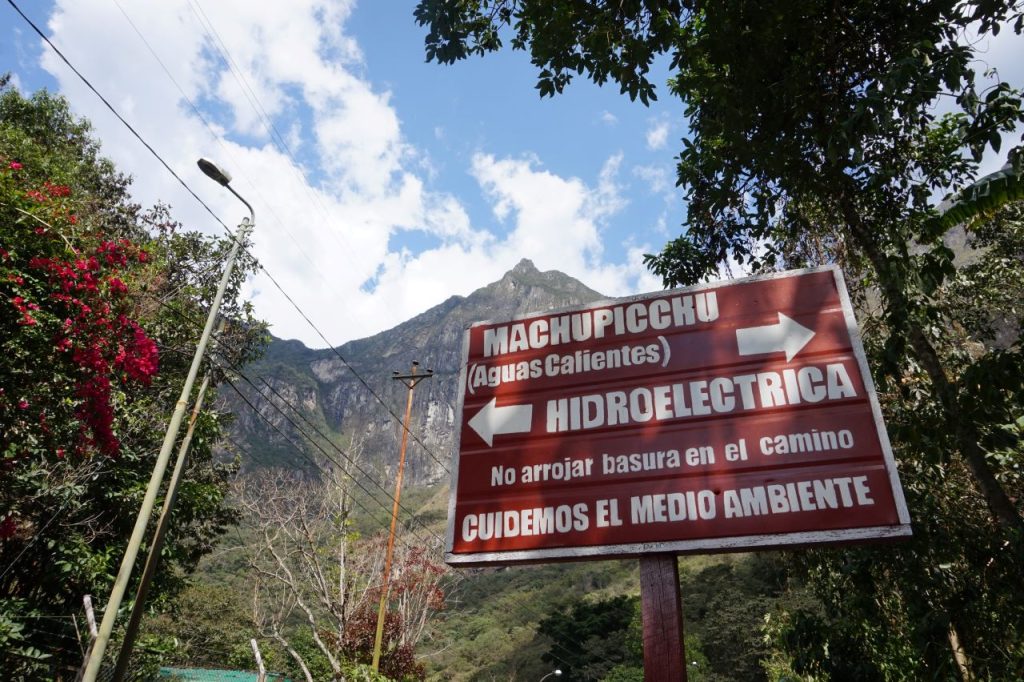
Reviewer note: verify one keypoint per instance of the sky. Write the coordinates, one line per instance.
(382, 184)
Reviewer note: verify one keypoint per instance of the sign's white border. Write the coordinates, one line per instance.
(723, 544)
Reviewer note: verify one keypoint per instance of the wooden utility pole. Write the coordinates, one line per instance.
(664, 658)
(410, 380)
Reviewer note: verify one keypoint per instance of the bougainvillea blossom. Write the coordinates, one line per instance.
(69, 292)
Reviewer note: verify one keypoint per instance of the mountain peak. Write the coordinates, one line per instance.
(524, 267)
(322, 383)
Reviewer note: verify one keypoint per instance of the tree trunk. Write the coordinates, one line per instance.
(959, 655)
(293, 653)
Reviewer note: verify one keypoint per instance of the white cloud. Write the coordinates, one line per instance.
(657, 133)
(554, 217)
(656, 177)
(646, 281)
(608, 118)
(331, 222)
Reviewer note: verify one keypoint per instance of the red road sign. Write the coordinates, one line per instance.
(725, 416)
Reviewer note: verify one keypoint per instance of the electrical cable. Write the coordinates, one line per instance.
(235, 368)
(310, 460)
(331, 459)
(231, 234)
(457, 579)
(214, 39)
(115, 112)
(337, 448)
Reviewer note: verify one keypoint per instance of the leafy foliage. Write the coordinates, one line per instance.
(98, 310)
(815, 138)
(608, 41)
(590, 638)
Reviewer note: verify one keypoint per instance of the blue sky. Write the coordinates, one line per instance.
(398, 183)
(403, 182)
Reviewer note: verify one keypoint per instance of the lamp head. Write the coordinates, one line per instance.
(214, 172)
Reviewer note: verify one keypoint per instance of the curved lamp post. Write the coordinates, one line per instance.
(92, 667)
(556, 672)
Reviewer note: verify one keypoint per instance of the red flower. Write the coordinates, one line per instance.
(56, 190)
(117, 286)
(14, 165)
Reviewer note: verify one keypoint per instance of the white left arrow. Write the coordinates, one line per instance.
(492, 420)
(788, 335)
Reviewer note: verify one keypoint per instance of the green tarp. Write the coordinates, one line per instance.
(204, 675)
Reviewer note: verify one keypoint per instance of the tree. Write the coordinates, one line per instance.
(815, 138)
(589, 639)
(97, 303)
(948, 602)
(309, 567)
(806, 121)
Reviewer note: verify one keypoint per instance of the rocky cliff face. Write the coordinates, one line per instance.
(335, 405)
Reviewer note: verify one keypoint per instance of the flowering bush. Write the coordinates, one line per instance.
(66, 315)
(90, 287)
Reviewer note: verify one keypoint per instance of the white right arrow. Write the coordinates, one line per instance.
(492, 420)
(788, 335)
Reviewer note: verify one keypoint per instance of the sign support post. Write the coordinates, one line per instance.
(724, 417)
(662, 608)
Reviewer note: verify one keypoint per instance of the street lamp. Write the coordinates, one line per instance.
(556, 672)
(222, 177)
(92, 667)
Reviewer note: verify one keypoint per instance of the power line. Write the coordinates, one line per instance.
(232, 236)
(115, 112)
(235, 368)
(327, 455)
(216, 138)
(334, 446)
(217, 44)
(457, 579)
(356, 374)
(214, 39)
(298, 449)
